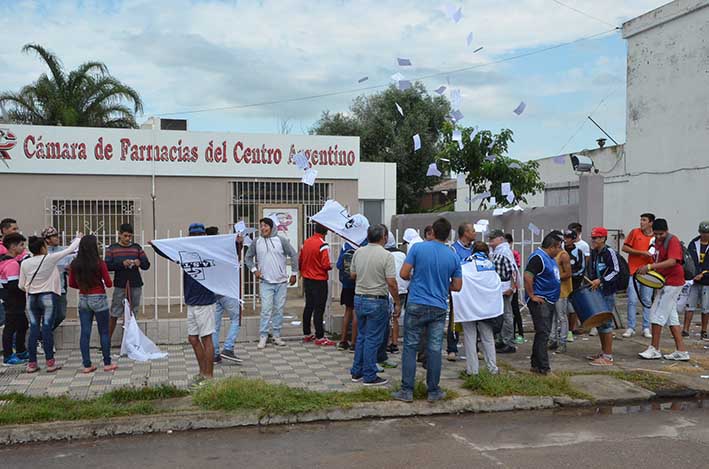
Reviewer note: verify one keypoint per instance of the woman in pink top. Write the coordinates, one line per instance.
(90, 275)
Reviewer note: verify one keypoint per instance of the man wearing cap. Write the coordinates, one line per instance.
(266, 259)
(411, 237)
(668, 263)
(506, 268)
(699, 292)
(604, 273)
(637, 246)
(51, 237)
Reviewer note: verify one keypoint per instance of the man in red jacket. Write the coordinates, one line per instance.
(314, 266)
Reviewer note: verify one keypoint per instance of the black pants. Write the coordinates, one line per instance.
(15, 325)
(452, 336)
(518, 329)
(542, 315)
(315, 302)
(382, 350)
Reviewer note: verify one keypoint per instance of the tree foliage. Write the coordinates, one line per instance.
(85, 97)
(485, 165)
(387, 136)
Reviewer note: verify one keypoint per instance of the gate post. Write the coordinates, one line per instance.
(590, 201)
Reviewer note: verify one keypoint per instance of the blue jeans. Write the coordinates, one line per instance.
(646, 296)
(372, 319)
(91, 306)
(231, 306)
(607, 326)
(416, 319)
(273, 300)
(42, 307)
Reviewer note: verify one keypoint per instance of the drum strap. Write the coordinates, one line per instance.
(637, 292)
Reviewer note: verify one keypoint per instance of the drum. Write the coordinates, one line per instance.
(590, 308)
(651, 279)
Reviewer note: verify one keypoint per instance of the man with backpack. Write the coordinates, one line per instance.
(604, 272)
(266, 259)
(699, 291)
(344, 263)
(668, 260)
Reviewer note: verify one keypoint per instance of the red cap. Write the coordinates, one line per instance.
(599, 231)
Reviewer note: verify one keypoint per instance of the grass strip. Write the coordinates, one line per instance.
(650, 381)
(521, 384)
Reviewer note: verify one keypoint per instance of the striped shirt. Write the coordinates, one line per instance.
(116, 254)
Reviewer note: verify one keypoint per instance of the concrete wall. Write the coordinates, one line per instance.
(378, 182)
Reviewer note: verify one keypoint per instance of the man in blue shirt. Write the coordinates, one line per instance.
(434, 270)
(542, 282)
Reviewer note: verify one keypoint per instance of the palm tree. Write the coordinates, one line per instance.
(87, 97)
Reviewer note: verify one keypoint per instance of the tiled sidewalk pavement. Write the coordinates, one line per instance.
(297, 364)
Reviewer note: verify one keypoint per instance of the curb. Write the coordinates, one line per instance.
(198, 420)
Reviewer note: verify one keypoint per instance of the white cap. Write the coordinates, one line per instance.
(410, 235)
(391, 241)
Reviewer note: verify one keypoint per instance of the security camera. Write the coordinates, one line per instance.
(582, 164)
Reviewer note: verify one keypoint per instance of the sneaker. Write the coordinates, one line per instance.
(685, 334)
(217, 359)
(378, 381)
(595, 356)
(593, 332)
(402, 396)
(309, 338)
(570, 336)
(380, 368)
(13, 361)
(343, 346)
(451, 357)
(52, 366)
(357, 379)
(507, 349)
(393, 349)
(705, 336)
(279, 342)
(602, 361)
(325, 342)
(647, 334)
(629, 333)
(562, 348)
(437, 396)
(32, 367)
(519, 339)
(388, 364)
(651, 353)
(24, 355)
(229, 355)
(352, 349)
(553, 345)
(678, 356)
(262, 342)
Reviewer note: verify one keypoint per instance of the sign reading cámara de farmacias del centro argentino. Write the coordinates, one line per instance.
(88, 150)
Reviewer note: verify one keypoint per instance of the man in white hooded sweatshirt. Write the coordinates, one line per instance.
(266, 259)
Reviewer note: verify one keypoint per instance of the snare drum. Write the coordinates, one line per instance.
(651, 279)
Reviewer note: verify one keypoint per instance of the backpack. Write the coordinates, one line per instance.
(624, 274)
(347, 262)
(690, 268)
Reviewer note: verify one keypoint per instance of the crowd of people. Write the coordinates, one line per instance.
(425, 292)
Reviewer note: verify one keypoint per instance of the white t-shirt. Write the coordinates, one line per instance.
(481, 295)
(583, 247)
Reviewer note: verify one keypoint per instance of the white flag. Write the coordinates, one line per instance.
(210, 260)
(336, 218)
(135, 344)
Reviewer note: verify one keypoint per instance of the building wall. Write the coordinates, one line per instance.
(378, 182)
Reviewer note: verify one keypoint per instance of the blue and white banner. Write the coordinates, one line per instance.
(210, 260)
(336, 218)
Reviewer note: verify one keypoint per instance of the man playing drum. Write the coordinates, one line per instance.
(604, 272)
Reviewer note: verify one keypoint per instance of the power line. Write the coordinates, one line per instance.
(585, 14)
(373, 87)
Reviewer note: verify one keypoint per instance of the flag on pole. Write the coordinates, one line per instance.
(135, 344)
(336, 218)
(210, 260)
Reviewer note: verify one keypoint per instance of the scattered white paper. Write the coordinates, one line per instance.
(479, 228)
(456, 99)
(301, 161)
(398, 108)
(433, 170)
(515, 166)
(485, 194)
(560, 159)
(498, 212)
(457, 136)
(520, 109)
(460, 145)
(403, 85)
(444, 159)
(517, 208)
(403, 62)
(457, 115)
(534, 229)
(478, 50)
(511, 197)
(239, 227)
(473, 133)
(296, 323)
(490, 158)
(492, 144)
(493, 201)
(362, 80)
(704, 376)
(506, 187)
(309, 176)
(397, 77)
(483, 221)
(469, 39)
(454, 13)
(417, 144)
(288, 317)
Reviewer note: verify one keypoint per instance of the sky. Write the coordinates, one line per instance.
(188, 55)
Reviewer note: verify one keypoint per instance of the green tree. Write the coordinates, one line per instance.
(387, 136)
(85, 97)
(485, 165)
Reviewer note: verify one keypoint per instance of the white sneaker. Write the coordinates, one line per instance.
(651, 353)
(647, 334)
(278, 341)
(593, 332)
(262, 342)
(629, 333)
(678, 356)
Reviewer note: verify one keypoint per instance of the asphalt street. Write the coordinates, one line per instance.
(672, 435)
